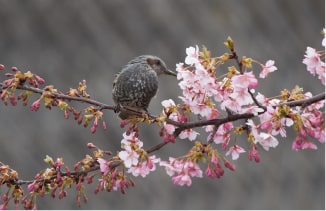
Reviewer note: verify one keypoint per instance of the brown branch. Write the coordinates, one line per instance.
(181, 126)
(67, 97)
(305, 102)
(156, 147)
(216, 122)
(74, 174)
(234, 117)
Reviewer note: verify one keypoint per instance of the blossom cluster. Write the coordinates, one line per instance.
(314, 62)
(134, 157)
(202, 90)
(168, 130)
(182, 171)
(234, 93)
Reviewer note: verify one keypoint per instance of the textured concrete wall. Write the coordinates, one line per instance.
(67, 41)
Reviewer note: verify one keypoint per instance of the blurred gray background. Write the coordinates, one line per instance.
(68, 41)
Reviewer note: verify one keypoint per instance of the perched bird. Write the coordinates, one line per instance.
(137, 83)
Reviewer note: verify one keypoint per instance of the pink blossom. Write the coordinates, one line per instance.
(242, 97)
(253, 154)
(129, 158)
(264, 139)
(189, 169)
(222, 135)
(193, 169)
(182, 171)
(36, 105)
(104, 168)
(130, 139)
(320, 70)
(200, 108)
(39, 79)
(31, 187)
(255, 110)
(214, 171)
(231, 104)
(312, 60)
(229, 165)
(192, 55)
(267, 68)
(262, 99)
(214, 159)
(182, 179)
(278, 126)
(266, 118)
(309, 145)
(167, 132)
(91, 145)
(173, 166)
(168, 103)
(245, 80)
(313, 123)
(169, 128)
(143, 168)
(235, 151)
(182, 72)
(197, 86)
(188, 133)
(299, 144)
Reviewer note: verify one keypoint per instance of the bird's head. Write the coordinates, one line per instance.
(158, 65)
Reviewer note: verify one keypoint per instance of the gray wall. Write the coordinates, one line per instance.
(67, 41)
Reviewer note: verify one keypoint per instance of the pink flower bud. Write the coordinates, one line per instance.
(36, 105)
(104, 125)
(229, 165)
(39, 79)
(91, 145)
(14, 69)
(93, 129)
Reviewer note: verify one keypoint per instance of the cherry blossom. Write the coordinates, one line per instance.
(314, 63)
(192, 55)
(235, 151)
(312, 60)
(188, 133)
(245, 80)
(103, 165)
(222, 135)
(299, 144)
(130, 139)
(145, 167)
(253, 154)
(131, 144)
(129, 157)
(182, 171)
(264, 139)
(267, 68)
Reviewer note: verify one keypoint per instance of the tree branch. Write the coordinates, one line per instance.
(305, 102)
(181, 126)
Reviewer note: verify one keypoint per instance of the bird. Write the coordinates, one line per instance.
(137, 83)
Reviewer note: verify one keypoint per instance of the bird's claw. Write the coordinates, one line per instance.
(117, 108)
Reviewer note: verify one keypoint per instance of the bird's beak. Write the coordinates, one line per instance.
(170, 72)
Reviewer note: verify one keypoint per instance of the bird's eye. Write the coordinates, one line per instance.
(158, 62)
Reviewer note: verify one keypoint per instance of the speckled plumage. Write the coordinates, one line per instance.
(137, 83)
